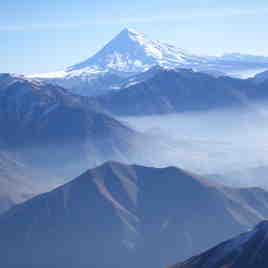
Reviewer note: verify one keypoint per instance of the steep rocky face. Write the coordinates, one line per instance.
(118, 215)
(244, 251)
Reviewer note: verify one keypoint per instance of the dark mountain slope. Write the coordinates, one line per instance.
(179, 90)
(50, 126)
(244, 251)
(118, 215)
(261, 77)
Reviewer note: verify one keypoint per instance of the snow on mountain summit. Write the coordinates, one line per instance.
(131, 51)
(127, 54)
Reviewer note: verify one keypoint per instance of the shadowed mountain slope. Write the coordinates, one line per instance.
(244, 251)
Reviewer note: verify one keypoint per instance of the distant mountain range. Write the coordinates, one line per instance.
(126, 215)
(130, 53)
(243, 58)
(162, 90)
(247, 250)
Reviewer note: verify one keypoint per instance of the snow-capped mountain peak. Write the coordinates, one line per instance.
(133, 52)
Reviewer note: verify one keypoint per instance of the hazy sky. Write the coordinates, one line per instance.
(39, 36)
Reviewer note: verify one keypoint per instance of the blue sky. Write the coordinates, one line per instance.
(41, 36)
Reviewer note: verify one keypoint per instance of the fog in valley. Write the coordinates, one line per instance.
(229, 145)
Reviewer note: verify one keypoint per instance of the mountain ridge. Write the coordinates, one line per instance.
(117, 215)
(171, 90)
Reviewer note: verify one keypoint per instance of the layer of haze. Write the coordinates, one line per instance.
(232, 143)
